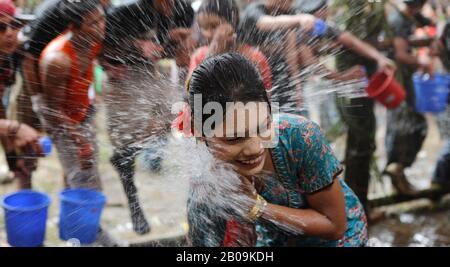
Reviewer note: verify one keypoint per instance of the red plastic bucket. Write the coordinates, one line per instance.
(384, 88)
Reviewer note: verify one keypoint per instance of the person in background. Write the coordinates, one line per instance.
(406, 127)
(356, 59)
(441, 51)
(311, 46)
(136, 34)
(66, 72)
(218, 22)
(298, 37)
(288, 195)
(20, 164)
(272, 26)
(138, 96)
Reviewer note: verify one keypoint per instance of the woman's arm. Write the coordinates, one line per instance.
(325, 217)
(30, 74)
(55, 73)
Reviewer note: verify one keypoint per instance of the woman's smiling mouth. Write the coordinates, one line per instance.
(254, 162)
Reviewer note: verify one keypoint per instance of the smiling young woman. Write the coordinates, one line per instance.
(301, 201)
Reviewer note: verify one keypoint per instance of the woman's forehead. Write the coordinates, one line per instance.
(244, 118)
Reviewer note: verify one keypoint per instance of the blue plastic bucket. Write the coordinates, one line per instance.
(80, 213)
(431, 92)
(26, 218)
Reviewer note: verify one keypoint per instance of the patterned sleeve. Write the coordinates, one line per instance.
(318, 165)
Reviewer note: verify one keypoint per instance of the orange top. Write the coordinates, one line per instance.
(76, 102)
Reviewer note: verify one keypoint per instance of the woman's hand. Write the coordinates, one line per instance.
(243, 195)
(248, 188)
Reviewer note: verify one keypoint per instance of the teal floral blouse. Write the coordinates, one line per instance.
(304, 164)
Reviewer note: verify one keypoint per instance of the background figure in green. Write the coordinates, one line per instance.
(367, 21)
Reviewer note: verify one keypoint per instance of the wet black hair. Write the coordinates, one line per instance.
(227, 9)
(225, 78)
(76, 10)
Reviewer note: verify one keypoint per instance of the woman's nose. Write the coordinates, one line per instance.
(252, 147)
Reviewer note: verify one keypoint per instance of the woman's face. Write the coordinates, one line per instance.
(240, 139)
(208, 24)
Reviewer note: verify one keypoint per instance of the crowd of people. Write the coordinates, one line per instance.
(225, 51)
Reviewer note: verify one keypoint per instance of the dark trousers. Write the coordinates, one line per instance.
(442, 172)
(406, 129)
(358, 114)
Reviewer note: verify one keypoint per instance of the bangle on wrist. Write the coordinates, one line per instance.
(258, 209)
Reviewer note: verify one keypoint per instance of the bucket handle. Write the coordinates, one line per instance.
(390, 75)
